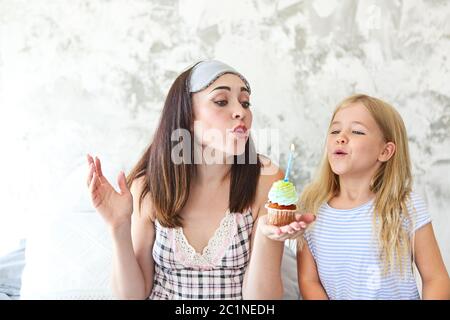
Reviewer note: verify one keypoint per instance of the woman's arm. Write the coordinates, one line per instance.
(133, 265)
(435, 279)
(262, 278)
(132, 234)
(308, 277)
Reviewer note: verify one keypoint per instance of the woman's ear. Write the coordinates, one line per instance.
(388, 152)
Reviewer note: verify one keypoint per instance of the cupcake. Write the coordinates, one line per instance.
(282, 203)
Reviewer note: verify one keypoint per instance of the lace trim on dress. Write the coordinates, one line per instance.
(214, 250)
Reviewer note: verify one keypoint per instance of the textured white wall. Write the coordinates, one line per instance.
(90, 76)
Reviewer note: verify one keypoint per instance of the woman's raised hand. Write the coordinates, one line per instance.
(115, 207)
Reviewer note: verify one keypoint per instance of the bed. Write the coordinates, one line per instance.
(68, 257)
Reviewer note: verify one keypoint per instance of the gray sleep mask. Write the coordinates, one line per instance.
(206, 72)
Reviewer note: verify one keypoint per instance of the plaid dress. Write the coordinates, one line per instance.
(217, 273)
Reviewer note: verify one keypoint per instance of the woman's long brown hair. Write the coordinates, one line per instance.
(167, 183)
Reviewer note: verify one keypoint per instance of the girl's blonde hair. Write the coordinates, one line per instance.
(391, 183)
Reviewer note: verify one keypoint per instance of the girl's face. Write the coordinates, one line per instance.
(222, 115)
(355, 143)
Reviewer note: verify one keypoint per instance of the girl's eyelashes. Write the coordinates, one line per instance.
(353, 131)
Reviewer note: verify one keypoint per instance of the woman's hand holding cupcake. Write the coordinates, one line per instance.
(283, 220)
(292, 230)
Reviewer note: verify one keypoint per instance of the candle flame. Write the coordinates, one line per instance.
(292, 147)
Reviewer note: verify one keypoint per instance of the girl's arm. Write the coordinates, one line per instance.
(428, 259)
(133, 265)
(308, 277)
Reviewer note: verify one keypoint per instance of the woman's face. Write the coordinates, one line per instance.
(222, 115)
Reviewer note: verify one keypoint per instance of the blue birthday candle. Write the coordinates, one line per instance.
(291, 155)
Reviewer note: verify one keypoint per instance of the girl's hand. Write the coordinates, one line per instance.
(293, 230)
(115, 207)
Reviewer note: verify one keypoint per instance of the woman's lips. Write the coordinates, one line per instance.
(240, 132)
(240, 128)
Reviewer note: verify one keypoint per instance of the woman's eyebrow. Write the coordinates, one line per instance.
(229, 89)
(221, 87)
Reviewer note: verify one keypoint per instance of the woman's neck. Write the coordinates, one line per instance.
(212, 174)
(212, 171)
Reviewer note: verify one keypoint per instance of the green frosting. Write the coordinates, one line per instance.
(283, 193)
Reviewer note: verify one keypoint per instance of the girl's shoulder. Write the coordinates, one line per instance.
(415, 198)
(416, 204)
(418, 214)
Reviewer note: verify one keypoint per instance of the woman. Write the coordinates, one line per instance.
(195, 229)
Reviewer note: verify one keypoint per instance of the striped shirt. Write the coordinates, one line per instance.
(346, 253)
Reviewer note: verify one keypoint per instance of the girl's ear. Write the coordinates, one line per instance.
(388, 152)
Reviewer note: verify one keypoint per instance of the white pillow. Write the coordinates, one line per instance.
(289, 272)
(68, 256)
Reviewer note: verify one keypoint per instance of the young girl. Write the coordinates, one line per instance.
(195, 229)
(370, 226)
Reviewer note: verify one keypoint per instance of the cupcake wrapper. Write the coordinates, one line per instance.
(280, 217)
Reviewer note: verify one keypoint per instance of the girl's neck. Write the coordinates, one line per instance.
(354, 191)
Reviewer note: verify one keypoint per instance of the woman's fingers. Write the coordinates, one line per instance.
(90, 168)
(287, 229)
(93, 184)
(269, 229)
(98, 167)
(89, 158)
(291, 231)
(298, 225)
(305, 217)
(94, 190)
(90, 174)
(122, 182)
(280, 237)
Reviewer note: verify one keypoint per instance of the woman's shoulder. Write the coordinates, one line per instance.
(138, 186)
(270, 173)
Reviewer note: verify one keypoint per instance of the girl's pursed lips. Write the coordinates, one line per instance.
(340, 152)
